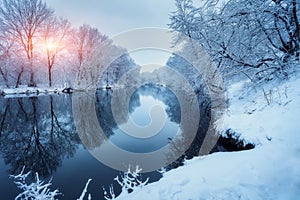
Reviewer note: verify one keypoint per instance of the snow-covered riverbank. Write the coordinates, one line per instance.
(270, 119)
(266, 117)
(39, 91)
(29, 91)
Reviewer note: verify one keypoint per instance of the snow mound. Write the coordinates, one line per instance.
(267, 117)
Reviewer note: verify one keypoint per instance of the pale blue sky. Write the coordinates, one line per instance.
(114, 16)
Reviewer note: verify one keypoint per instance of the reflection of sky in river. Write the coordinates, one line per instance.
(141, 117)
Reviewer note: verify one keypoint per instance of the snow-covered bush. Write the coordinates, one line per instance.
(38, 190)
(129, 181)
(85, 191)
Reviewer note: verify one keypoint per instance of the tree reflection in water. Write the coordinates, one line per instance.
(37, 132)
(163, 94)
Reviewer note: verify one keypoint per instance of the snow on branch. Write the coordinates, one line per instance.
(129, 181)
(38, 190)
(85, 191)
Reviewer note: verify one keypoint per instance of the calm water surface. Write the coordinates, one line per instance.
(39, 133)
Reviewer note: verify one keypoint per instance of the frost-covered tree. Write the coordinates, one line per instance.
(87, 41)
(184, 17)
(5, 47)
(23, 19)
(54, 35)
(90, 48)
(257, 38)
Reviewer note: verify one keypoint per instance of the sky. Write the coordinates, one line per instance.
(112, 17)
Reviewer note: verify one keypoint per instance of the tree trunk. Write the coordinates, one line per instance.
(19, 77)
(4, 77)
(50, 76)
(32, 83)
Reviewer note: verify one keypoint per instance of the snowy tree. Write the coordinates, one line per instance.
(87, 41)
(33, 41)
(23, 19)
(90, 48)
(182, 19)
(5, 46)
(54, 35)
(259, 39)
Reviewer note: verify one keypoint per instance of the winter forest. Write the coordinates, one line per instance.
(40, 49)
(60, 84)
(259, 39)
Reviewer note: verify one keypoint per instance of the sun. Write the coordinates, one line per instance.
(51, 44)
